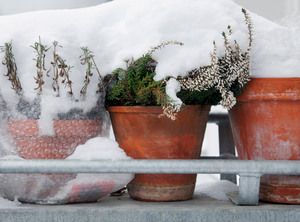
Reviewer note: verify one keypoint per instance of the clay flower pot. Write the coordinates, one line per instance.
(265, 124)
(144, 134)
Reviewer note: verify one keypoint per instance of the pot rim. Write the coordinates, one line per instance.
(276, 78)
(150, 109)
(271, 89)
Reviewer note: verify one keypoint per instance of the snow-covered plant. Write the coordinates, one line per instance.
(135, 84)
(10, 63)
(41, 71)
(87, 59)
(227, 75)
(60, 71)
(218, 83)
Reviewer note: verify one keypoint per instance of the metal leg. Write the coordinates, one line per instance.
(248, 190)
(226, 144)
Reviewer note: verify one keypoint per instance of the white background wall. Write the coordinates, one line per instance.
(17, 6)
(272, 9)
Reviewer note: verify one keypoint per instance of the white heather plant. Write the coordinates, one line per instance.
(228, 74)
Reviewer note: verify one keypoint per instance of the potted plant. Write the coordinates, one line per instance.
(150, 121)
(36, 135)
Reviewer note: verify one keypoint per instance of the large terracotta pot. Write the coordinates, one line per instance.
(144, 134)
(266, 126)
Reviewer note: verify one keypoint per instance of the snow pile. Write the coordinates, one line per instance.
(216, 190)
(276, 51)
(123, 29)
(69, 188)
(99, 148)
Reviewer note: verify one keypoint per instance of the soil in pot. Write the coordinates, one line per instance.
(145, 134)
(265, 127)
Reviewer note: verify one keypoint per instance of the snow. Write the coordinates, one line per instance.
(99, 148)
(216, 190)
(4, 203)
(172, 88)
(275, 53)
(115, 34)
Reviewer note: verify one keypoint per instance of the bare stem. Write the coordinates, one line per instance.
(40, 55)
(87, 59)
(10, 63)
(60, 70)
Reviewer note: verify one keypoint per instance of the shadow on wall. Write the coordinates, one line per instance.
(272, 9)
(18, 6)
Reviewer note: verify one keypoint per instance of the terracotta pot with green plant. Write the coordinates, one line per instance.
(151, 123)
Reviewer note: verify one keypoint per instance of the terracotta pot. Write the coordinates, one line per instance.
(68, 135)
(266, 127)
(144, 134)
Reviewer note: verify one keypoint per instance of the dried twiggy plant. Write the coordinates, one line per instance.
(10, 63)
(60, 71)
(87, 59)
(40, 51)
(162, 45)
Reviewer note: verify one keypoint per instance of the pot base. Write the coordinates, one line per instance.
(280, 189)
(160, 193)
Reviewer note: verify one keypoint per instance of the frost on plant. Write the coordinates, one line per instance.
(40, 55)
(60, 71)
(11, 66)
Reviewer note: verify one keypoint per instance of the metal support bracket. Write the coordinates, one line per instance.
(248, 194)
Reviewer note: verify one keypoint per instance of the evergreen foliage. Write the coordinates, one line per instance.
(135, 85)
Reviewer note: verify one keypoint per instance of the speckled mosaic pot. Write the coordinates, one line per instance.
(266, 126)
(68, 135)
